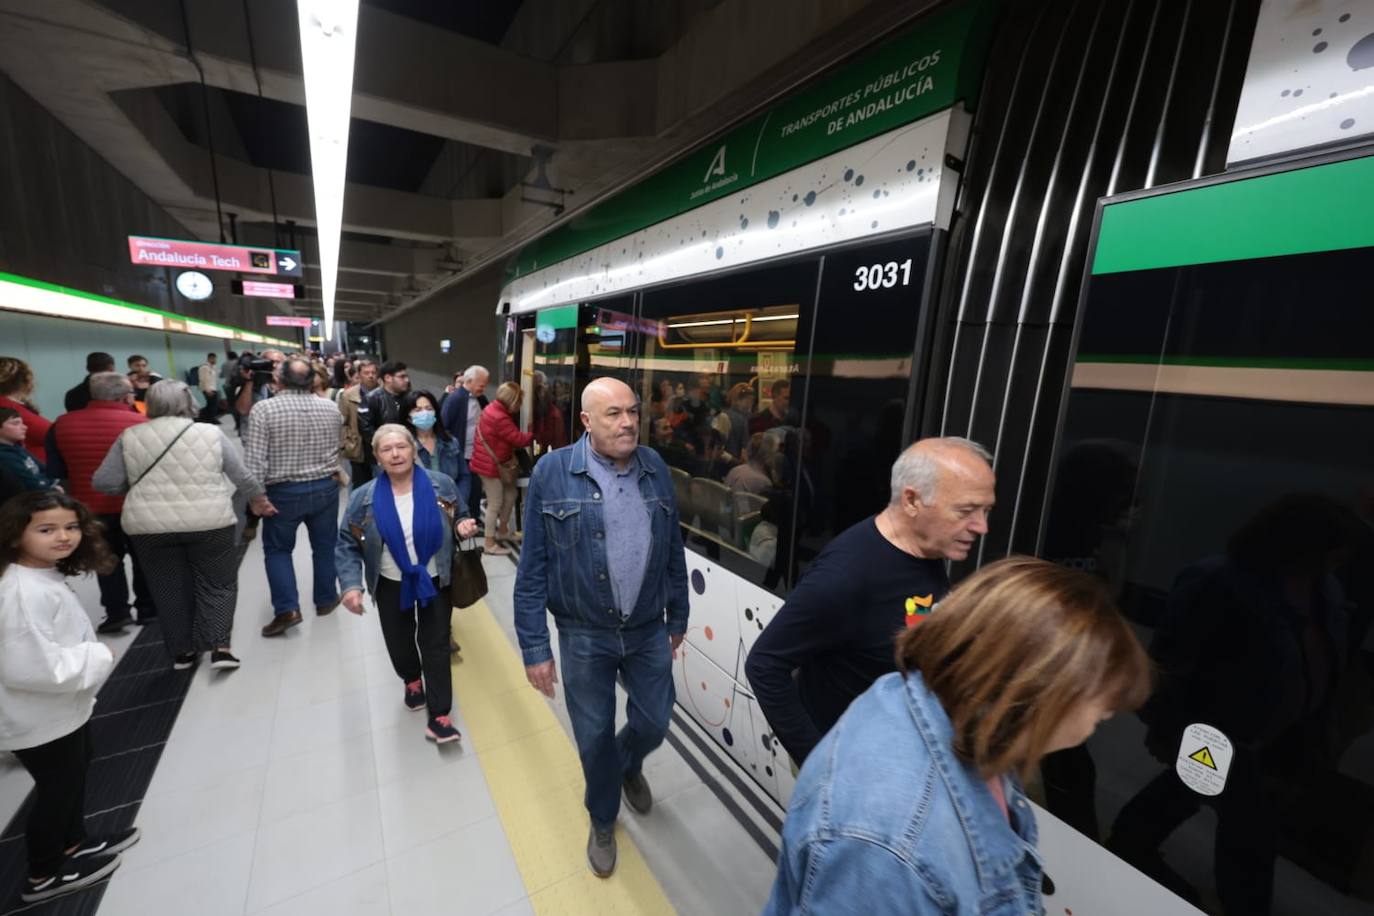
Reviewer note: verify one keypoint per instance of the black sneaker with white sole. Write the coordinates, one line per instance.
(74, 875)
(185, 660)
(222, 660)
(108, 844)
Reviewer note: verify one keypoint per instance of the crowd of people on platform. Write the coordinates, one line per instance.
(855, 671)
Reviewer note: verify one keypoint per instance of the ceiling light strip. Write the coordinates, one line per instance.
(328, 39)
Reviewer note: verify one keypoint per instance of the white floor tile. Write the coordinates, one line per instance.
(298, 731)
(340, 769)
(212, 881)
(175, 823)
(331, 678)
(402, 752)
(425, 806)
(518, 908)
(192, 760)
(309, 850)
(470, 871)
(365, 893)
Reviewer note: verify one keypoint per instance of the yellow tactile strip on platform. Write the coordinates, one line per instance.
(535, 779)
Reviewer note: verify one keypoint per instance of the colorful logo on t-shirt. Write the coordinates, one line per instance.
(918, 608)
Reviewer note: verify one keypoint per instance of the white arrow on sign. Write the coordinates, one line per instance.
(288, 264)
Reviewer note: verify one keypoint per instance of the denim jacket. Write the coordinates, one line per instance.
(886, 819)
(358, 553)
(450, 462)
(563, 560)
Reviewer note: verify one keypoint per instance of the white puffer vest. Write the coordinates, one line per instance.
(187, 490)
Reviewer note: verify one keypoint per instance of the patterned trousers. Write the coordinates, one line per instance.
(193, 576)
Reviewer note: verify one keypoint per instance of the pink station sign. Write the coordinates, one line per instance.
(155, 252)
(288, 321)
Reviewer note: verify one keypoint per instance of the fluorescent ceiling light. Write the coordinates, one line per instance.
(328, 38)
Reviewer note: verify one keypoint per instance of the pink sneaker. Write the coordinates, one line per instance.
(415, 695)
(440, 730)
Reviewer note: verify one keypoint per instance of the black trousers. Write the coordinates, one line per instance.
(114, 587)
(418, 641)
(57, 820)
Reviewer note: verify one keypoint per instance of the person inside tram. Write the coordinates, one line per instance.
(914, 803)
(546, 419)
(674, 451)
(832, 638)
(659, 400)
(776, 414)
(752, 476)
(736, 416)
(1255, 643)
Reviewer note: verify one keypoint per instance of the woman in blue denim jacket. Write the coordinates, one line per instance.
(912, 804)
(397, 538)
(436, 449)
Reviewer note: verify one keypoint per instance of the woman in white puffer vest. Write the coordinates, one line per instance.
(175, 475)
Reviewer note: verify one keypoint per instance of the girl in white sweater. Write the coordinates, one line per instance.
(50, 669)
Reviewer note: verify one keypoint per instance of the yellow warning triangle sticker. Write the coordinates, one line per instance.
(1203, 756)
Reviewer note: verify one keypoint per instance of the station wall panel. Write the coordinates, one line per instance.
(56, 351)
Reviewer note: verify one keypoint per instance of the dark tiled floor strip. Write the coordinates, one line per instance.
(133, 719)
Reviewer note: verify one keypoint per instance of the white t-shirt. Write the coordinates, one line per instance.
(405, 510)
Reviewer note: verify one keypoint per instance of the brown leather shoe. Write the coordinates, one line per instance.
(327, 609)
(281, 623)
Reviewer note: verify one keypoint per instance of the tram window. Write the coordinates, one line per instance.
(717, 375)
(553, 413)
(611, 340)
(1215, 470)
(857, 384)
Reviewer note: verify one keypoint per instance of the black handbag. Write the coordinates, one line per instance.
(468, 580)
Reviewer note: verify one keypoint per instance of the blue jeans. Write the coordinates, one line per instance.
(591, 659)
(316, 503)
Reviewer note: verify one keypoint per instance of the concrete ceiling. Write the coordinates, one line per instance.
(450, 122)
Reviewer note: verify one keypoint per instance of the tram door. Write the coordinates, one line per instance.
(1216, 468)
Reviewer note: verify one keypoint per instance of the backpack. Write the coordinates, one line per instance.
(192, 376)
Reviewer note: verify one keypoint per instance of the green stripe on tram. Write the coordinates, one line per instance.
(1322, 208)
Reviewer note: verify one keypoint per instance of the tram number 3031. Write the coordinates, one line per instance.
(882, 276)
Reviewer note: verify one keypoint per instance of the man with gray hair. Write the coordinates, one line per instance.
(77, 443)
(291, 444)
(834, 635)
(459, 414)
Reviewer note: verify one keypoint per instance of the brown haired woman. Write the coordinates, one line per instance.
(16, 392)
(913, 802)
(494, 445)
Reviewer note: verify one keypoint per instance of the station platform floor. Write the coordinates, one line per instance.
(299, 784)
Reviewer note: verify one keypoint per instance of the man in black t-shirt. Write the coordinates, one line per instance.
(834, 635)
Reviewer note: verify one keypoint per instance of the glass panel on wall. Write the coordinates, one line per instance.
(1217, 469)
(857, 385)
(716, 376)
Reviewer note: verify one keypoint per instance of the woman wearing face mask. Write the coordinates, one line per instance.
(436, 450)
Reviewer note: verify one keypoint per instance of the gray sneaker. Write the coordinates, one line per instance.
(601, 851)
(637, 794)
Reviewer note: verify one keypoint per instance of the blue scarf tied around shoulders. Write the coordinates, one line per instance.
(427, 531)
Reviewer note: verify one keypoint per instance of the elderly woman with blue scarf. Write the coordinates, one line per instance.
(398, 535)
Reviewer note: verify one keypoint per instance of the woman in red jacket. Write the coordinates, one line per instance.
(16, 387)
(495, 442)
